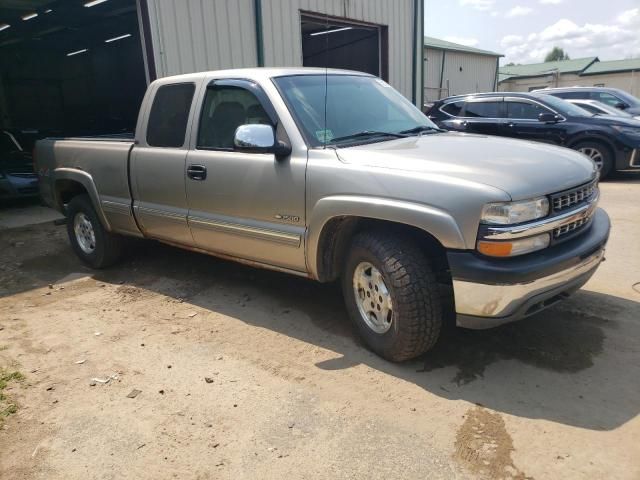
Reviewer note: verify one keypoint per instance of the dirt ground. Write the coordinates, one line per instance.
(246, 374)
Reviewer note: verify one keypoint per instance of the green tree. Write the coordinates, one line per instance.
(556, 54)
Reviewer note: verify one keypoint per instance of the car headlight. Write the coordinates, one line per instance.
(514, 247)
(508, 213)
(629, 131)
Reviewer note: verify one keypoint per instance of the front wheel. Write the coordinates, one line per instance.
(91, 242)
(392, 295)
(599, 153)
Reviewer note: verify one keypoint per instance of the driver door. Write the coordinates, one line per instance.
(244, 205)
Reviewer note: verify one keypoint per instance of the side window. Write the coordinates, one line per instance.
(224, 110)
(525, 110)
(482, 109)
(575, 95)
(606, 98)
(169, 115)
(453, 108)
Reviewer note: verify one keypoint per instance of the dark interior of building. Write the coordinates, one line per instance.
(338, 44)
(75, 68)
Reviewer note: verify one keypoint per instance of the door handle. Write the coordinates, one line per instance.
(511, 124)
(197, 172)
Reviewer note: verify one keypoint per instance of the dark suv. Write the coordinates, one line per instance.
(610, 96)
(613, 143)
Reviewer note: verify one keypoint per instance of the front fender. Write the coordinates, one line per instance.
(436, 222)
(89, 185)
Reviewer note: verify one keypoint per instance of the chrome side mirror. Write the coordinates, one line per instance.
(259, 138)
(255, 137)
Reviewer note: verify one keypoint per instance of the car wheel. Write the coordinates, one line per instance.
(91, 242)
(599, 153)
(392, 295)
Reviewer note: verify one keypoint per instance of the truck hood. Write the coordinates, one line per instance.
(520, 168)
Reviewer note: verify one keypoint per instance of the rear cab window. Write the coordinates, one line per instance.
(167, 124)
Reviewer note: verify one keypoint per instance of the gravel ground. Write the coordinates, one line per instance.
(238, 373)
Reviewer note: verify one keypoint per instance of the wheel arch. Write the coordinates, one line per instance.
(335, 221)
(71, 182)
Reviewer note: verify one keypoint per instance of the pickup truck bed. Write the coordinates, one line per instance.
(101, 165)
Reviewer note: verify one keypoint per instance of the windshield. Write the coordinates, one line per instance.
(565, 108)
(627, 97)
(357, 107)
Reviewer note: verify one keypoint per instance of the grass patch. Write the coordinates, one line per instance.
(8, 408)
(4, 347)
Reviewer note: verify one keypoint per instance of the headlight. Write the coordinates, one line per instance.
(508, 213)
(629, 131)
(514, 247)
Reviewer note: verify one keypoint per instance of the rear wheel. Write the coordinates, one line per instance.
(91, 242)
(392, 295)
(599, 153)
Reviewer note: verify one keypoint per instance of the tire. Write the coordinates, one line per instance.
(415, 321)
(100, 250)
(597, 150)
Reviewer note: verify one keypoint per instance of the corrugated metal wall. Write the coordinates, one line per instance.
(432, 71)
(196, 35)
(477, 75)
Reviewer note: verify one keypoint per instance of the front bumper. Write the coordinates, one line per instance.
(489, 292)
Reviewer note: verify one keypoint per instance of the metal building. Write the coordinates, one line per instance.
(453, 69)
(193, 35)
(584, 72)
(81, 66)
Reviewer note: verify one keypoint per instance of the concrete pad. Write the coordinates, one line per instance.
(24, 215)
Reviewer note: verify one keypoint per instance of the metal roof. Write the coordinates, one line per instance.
(436, 43)
(613, 66)
(537, 69)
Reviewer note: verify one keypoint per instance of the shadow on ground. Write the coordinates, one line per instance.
(577, 363)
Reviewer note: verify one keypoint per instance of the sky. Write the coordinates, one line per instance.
(525, 30)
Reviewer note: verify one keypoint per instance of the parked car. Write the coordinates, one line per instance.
(613, 97)
(599, 108)
(613, 143)
(17, 178)
(337, 176)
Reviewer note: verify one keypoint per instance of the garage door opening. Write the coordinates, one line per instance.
(338, 43)
(70, 68)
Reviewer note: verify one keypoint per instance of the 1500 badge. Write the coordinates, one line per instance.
(287, 218)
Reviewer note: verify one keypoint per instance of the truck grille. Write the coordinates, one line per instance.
(571, 227)
(563, 200)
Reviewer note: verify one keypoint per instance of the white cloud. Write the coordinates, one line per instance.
(482, 5)
(518, 11)
(469, 42)
(630, 17)
(551, 2)
(620, 39)
(511, 40)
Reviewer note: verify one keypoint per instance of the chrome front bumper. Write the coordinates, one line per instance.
(493, 305)
(489, 292)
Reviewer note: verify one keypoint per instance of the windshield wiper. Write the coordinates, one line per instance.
(368, 133)
(422, 128)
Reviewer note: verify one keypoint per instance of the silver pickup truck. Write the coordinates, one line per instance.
(333, 175)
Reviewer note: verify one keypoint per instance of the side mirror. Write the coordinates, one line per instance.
(548, 117)
(621, 106)
(259, 138)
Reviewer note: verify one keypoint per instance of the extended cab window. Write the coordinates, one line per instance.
(482, 109)
(224, 110)
(525, 110)
(169, 115)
